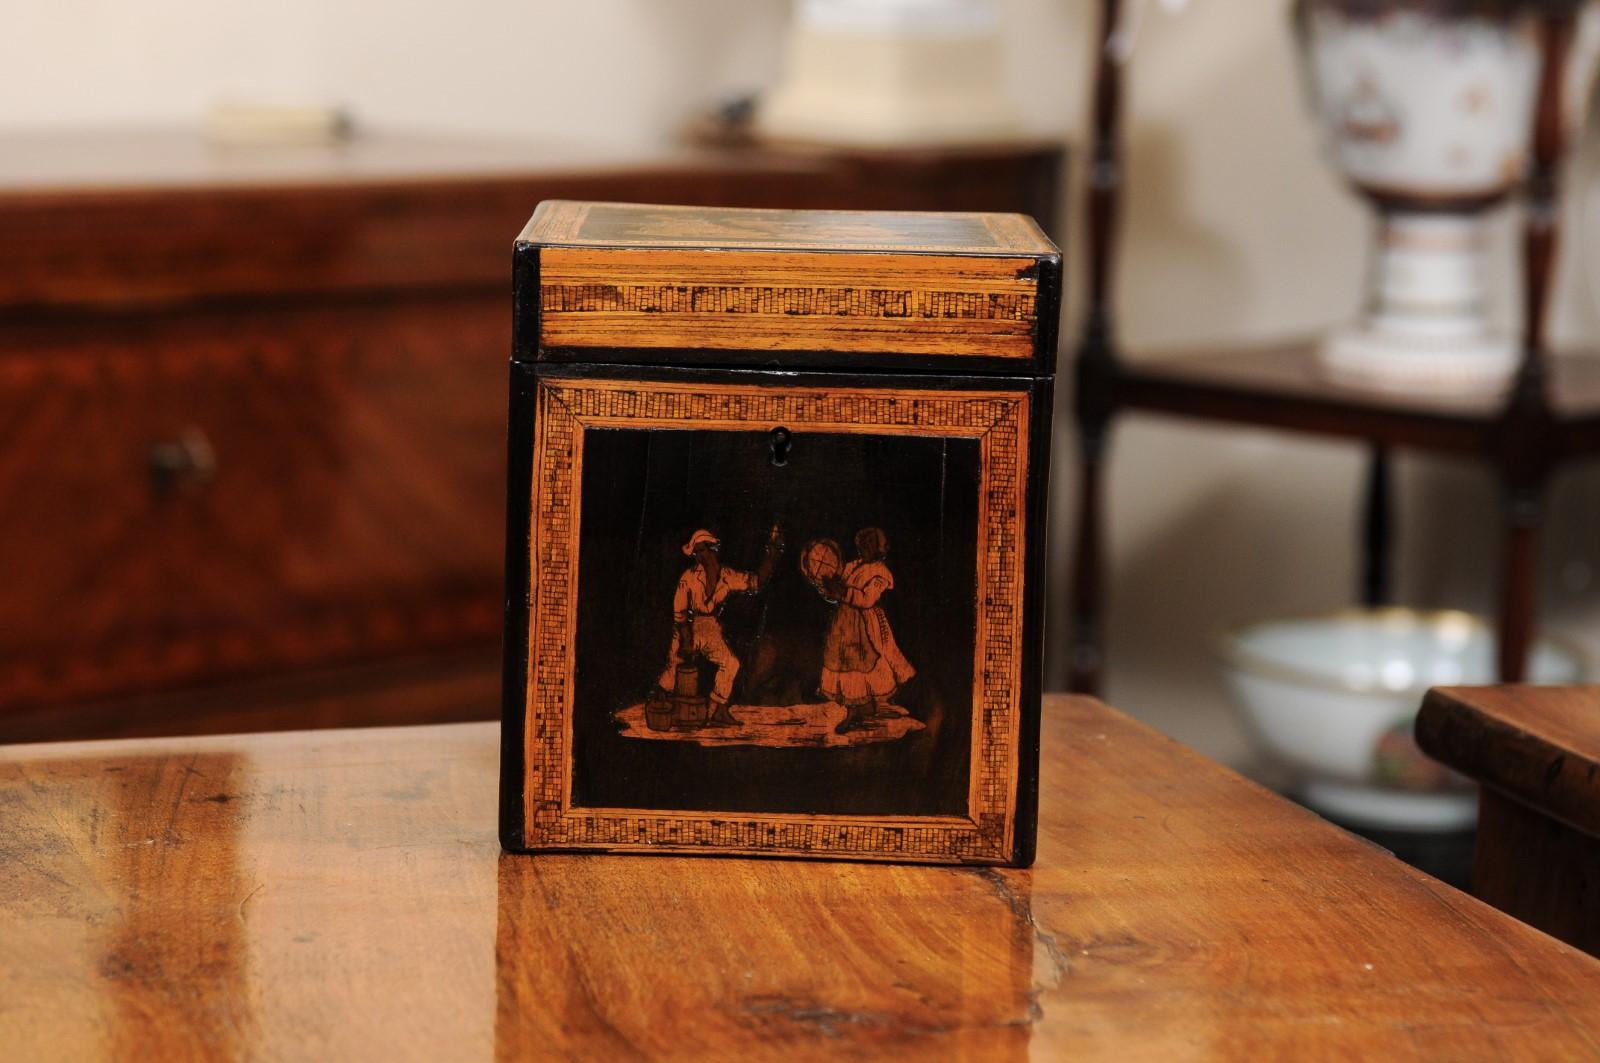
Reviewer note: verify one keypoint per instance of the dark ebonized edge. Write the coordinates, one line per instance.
(1030, 702)
(525, 302)
(743, 358)
(514, 647)
(843, 377)
(1047, 315)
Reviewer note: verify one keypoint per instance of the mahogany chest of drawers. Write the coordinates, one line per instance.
(252, 410)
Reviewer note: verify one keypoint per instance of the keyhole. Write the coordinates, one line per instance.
(781, 441)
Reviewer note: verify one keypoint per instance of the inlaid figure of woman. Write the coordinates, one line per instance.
(862, 666)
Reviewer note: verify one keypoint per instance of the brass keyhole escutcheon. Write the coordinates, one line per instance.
(782, 441)
(185, 463)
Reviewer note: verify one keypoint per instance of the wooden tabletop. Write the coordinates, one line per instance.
(341, 895)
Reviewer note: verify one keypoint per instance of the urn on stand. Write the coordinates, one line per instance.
(1427, 106)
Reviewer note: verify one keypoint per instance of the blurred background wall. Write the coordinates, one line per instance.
(1235, 229)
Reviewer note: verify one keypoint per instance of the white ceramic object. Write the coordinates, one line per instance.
(1427, 108)
(1334, 698)
(891, 73)
(240, 124)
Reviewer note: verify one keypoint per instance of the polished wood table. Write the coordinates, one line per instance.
(341, 895)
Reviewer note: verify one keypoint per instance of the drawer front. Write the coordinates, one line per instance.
(207, 496)
(853, 564)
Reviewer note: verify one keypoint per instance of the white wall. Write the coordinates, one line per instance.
(1235, 229)
(616, 71)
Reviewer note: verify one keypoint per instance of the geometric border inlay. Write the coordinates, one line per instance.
(567, 407)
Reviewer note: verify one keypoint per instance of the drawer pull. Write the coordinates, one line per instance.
(188, 463)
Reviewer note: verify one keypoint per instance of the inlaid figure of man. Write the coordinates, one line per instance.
(696, 612)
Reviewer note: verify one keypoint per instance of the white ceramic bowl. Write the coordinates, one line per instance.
(1333, 698)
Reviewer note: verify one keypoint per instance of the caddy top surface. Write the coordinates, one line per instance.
(634, 283)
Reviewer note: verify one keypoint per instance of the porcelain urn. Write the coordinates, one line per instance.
(1427, 109)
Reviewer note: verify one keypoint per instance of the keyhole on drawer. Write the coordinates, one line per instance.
(184, 463)
(781, 441)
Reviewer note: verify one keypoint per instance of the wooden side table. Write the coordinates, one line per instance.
(1549, 417)
(1536, 751)
(341, 895)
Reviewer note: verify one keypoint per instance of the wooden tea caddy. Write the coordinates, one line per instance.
(776, 532)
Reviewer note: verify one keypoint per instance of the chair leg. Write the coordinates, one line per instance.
(1376, 530)
(1519, 574)
(1087, 650)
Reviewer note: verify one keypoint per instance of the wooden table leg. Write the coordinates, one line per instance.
(1538, 869)
(1519, 575)
(1376, 531)
(1529, 443)
(1095, 395)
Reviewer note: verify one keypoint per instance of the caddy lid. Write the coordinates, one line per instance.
(636, 283)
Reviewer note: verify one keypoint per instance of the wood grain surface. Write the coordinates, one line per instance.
(641, 277)
(660, 226)
(427, 688)
(188, 221)
(341, 895)
(788, 301)
(351, 510)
